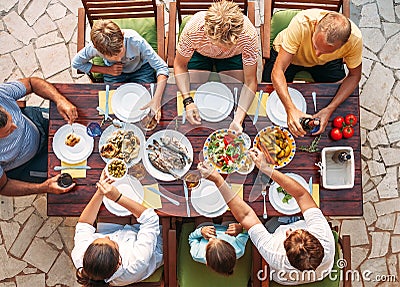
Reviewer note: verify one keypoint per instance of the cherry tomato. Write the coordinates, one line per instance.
(350, 120)
(227, 140)
(338, 122)
(336, 134)
(348, 132)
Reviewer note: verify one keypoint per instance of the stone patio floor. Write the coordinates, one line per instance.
(38, 38)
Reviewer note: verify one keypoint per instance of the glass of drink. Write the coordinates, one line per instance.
(93, 129)
(138, 171)
(149, 122)
(64, 180)
(192, 179)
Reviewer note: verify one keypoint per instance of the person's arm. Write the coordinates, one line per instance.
(196, 252)
(155, 103)
(183, 83)
(89, 214)
(13, 187)
(246, 96)
(47, 91)
(347, 87)
(280, 85)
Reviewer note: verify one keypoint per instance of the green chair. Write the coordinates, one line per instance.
(193, 274)
(145, 17)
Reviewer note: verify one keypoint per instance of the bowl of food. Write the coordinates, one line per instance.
(277, 144)
(247, 166)
(116, 169)
(225, 150)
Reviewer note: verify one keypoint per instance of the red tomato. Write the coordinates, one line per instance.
(336, 134)
(227, 140)
(338, 122)
(348, 132)
(350, 120)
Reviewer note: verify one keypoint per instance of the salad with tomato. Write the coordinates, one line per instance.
(225, 150)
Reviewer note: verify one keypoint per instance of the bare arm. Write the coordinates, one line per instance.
(47, 91)
(155, 103)
(89, 214)
(280, 85)
(347, 87)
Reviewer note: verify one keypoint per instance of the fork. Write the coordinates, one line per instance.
(264, 193)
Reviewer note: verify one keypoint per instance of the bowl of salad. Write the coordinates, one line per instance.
(225, 150)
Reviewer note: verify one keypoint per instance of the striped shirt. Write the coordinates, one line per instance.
(22, 144)
(193, 39)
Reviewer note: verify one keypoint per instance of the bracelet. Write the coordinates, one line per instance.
(119, 197)
(189, 100)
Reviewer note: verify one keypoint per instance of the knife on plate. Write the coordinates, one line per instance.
(310, 185)
(156, 191)
(107, 96)
(186, 191)
(58, 167)
(260, 94)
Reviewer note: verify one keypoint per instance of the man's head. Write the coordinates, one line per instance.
(331, 33)
(224, 23)
(7, 126)
(303, 250)
(220, 256)
(108, 39)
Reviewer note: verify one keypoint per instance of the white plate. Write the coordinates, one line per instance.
(128, 100)
(77, 153)
(275, 197)
(159, 174)
(276, 111)
(214, 101)
(207, 200)
(129, 127)
(129, 187)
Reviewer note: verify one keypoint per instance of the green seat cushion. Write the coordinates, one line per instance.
(146, 27)
(194, 274)
(327, 282)
(156, 276)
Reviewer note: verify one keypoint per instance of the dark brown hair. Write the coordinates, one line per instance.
(3, 118)
(303, 250)
(220, 256)
(100, 262)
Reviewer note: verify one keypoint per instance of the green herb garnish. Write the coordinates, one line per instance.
(287, 196)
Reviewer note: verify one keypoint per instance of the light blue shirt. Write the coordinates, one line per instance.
(198, 243)
(138, 52)
(22, 144)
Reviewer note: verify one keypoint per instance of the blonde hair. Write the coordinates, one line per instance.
(336, 26)
(107, 37)
(224, 22)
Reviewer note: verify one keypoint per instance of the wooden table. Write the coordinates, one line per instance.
(345, 202)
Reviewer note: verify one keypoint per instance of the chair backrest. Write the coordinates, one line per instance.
(271, 5)
(181, 8)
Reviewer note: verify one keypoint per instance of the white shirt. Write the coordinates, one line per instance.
(140, 253)
(272, 250)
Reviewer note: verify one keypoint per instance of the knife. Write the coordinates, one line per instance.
(183, 117)
(185, 190)
(314, 98)
(156, 191)
(310, 185)
(107, 95)
(260, 94)
(58, 167)
(235, 94)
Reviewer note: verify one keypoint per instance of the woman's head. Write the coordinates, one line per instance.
(224, 23)
(107, 38)
(303, 250)
(100, 261)
(220, 256)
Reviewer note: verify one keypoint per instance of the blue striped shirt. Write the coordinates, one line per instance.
(22, 144)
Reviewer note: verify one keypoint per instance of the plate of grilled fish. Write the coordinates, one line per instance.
(168, 155)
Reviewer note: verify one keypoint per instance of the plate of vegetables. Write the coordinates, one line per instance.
(225, 150)
(281, 200)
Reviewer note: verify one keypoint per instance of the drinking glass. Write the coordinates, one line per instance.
(149, 122)
(192, 179)
(93, 129)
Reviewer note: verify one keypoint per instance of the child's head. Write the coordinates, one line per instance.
(303, 250)
(220, 256)
(100, 261)
(107, 37)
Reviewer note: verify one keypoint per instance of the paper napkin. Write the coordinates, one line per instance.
(315, 193)
(151, 200)
(179, 101)
(262, 111)
(102, 101)
(75, 173)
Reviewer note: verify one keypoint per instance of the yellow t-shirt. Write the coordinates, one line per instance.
(296, 40)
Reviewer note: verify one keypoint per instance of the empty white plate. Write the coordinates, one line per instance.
(128, 100)
(207, 199)
(276, 111)
(129, 187)
(214, 101)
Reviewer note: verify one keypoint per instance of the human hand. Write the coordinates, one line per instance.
(293, 122)
(236, 126)
(105, 187)
(208, 232)
(192, 114)
(324, 116)
(259, 159)
(155, 107)
(234, 229)
(53, 187)
(208, 172)
(116, 69)
(67, 110)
